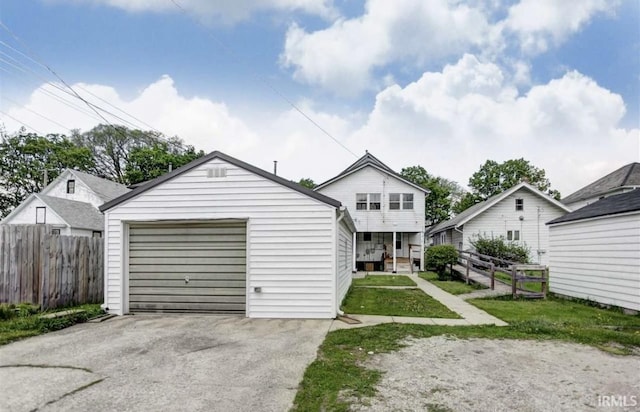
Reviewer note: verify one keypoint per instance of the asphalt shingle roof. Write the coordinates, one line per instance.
(628, 175)
(612, 205)
(79, 215)
(106, 189)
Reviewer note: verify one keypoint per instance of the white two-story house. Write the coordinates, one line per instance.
(69, 204)
(388, 212)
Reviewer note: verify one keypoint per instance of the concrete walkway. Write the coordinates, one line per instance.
(470, 314)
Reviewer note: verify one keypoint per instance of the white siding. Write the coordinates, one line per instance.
(503, 216)
(582, 203)
(82, 192)
(290, 237)
(345, 251)
(371, 180)
(597, 259)
(27, 215)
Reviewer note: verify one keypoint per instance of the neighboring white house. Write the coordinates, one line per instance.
(388, 211)
(595, 252)
(69, 204)
(221, 236)
(619, 181)
(518, 214)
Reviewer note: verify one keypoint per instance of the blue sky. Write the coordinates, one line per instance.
(444, 84)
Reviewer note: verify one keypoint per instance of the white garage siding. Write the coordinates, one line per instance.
(290, 237)
(597, 259)
(345, 258)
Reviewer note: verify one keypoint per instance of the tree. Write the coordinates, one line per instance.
(438, 257)
(25, 157)
(146, 163)
(493, 178)
(307, 182)
(442, 193)
(111, 147)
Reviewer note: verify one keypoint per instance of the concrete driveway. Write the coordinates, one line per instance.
(156, 363)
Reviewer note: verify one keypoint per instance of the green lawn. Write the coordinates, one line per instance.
(531, 287)
(453, 286)
(394, 302)
(384, 280)
(336, 374)
(25, 322)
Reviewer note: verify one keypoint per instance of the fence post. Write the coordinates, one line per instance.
(493, 276)
(514, 290)
(467, 266)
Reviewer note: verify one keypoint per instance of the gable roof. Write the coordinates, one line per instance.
(76, 214)
(475, 210)
(105, 189)
(219, 155)
(369, 160)
(612, 205)
(628, 175)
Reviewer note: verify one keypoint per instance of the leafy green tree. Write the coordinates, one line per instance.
(442, 193)
(493, 178)
(24, 158)
(111, 147)
(439, 257)
(146, 163)
(308, 183)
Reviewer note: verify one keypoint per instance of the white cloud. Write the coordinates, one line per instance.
(343, 56)
(450, 122)
(225, 12)
(537, 23)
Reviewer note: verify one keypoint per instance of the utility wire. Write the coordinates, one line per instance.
(4, 96)
(264, 81)
(37, 59)
(20, 121)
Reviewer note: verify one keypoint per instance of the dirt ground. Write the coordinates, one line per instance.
(449, 374)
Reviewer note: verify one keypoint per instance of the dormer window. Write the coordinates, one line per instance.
(71, 186)
(519, 205)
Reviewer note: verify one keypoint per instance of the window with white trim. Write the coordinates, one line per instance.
(368, 201)
(394, 201)
(41, 215)
(374, 201)
(71, 186)
(361, 201)
(519, 205)
(513, 235)
(407, 201)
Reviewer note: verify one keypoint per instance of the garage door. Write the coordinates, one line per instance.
(187, 267)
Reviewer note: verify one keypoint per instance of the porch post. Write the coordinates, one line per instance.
(393, 246)
(422, 252)
(353, 253)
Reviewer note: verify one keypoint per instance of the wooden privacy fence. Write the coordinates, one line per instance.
(49, 270)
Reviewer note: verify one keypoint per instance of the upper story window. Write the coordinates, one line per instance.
(374, 201)
(41, 215)
(361, 201)
(519, 204)
(368, 201)
(407, 201)
(71, 186)
(394, 201)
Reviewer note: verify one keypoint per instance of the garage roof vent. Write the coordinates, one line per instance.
(217, 172)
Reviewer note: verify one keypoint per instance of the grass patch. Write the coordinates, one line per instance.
(384, 280)
(395, 302)
(23, 321)
(531, 287)
(453, 285)
(337, 375)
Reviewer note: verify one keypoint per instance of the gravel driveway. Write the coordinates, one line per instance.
(158, 363)
(449, 374)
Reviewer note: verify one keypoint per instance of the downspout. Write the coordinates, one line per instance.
(335, 288)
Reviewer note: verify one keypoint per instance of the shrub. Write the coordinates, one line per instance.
(439, 256)
(500, 248)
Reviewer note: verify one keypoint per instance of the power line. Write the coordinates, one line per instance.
(265, 82)
(21, 122)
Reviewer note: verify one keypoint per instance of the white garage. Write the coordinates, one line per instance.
(222, 236)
